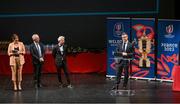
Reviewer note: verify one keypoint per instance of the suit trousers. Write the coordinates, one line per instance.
(37, 73)
(122, 66)
(62, 66)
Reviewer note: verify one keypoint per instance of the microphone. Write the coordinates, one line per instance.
(134, 41)
(120, 41)
(179, 52)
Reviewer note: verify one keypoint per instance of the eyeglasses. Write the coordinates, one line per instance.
(124, 37)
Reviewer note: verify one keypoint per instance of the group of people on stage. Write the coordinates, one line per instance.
(16, 52)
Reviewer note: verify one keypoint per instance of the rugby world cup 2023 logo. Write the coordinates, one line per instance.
(169, 31)
(118, 29)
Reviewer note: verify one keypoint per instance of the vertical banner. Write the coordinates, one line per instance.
(143, 65)
(115, 28)
(168, 49)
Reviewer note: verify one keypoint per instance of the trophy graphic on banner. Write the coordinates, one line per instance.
(144, 44)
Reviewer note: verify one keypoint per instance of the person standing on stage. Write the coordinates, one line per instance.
(16, 51)
(59, 53)
(126, 51)
(37, 52)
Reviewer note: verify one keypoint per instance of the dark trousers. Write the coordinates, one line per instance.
(63, 66)
(37, 74)
(121, 66)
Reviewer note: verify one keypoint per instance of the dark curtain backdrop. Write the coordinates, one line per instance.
(86, 31)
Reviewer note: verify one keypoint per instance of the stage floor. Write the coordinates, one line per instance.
(87, 88)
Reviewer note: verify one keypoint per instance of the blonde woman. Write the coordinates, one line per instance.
(16, 51)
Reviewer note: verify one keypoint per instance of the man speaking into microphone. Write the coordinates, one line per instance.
(124, 50)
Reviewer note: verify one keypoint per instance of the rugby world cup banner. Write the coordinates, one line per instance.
(143, 34)
(115, 28)
(168, 51)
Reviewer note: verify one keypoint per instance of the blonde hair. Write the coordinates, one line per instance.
(61, 37)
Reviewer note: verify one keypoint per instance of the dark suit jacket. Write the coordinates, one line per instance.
(34, 53)
(59, 58)
(129, 51)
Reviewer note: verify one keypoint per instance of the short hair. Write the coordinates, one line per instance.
(34, 36)
(61, 37)
(124, 34)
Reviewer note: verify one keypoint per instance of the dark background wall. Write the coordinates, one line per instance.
(82, 22)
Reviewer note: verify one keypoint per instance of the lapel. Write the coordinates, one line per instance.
(120, 47)
(127, 48)
(35, 48)
(64, 47)
(58, 49)
(40, 47)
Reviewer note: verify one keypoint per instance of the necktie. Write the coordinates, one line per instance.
(39, 50)
(124, 46)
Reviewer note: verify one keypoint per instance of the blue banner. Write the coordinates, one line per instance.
(168, 49)
(115, 27)
(143, 35)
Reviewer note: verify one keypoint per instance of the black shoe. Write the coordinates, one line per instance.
(40, 85)
(61, 85)
(115, 87)
(69, 86)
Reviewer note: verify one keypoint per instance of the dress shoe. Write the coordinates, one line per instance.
(69, 86)
(61, 85)
(115, 87)
(40, 86)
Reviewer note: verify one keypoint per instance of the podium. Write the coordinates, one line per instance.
(124, 92)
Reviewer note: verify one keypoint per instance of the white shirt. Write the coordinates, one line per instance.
(38, 48)
(61, 49)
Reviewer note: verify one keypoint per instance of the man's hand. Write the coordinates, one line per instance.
(41, 59)
(124, 54)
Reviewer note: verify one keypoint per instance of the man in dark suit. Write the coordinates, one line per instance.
(124, 50)
(37, 52)
(59, 54)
